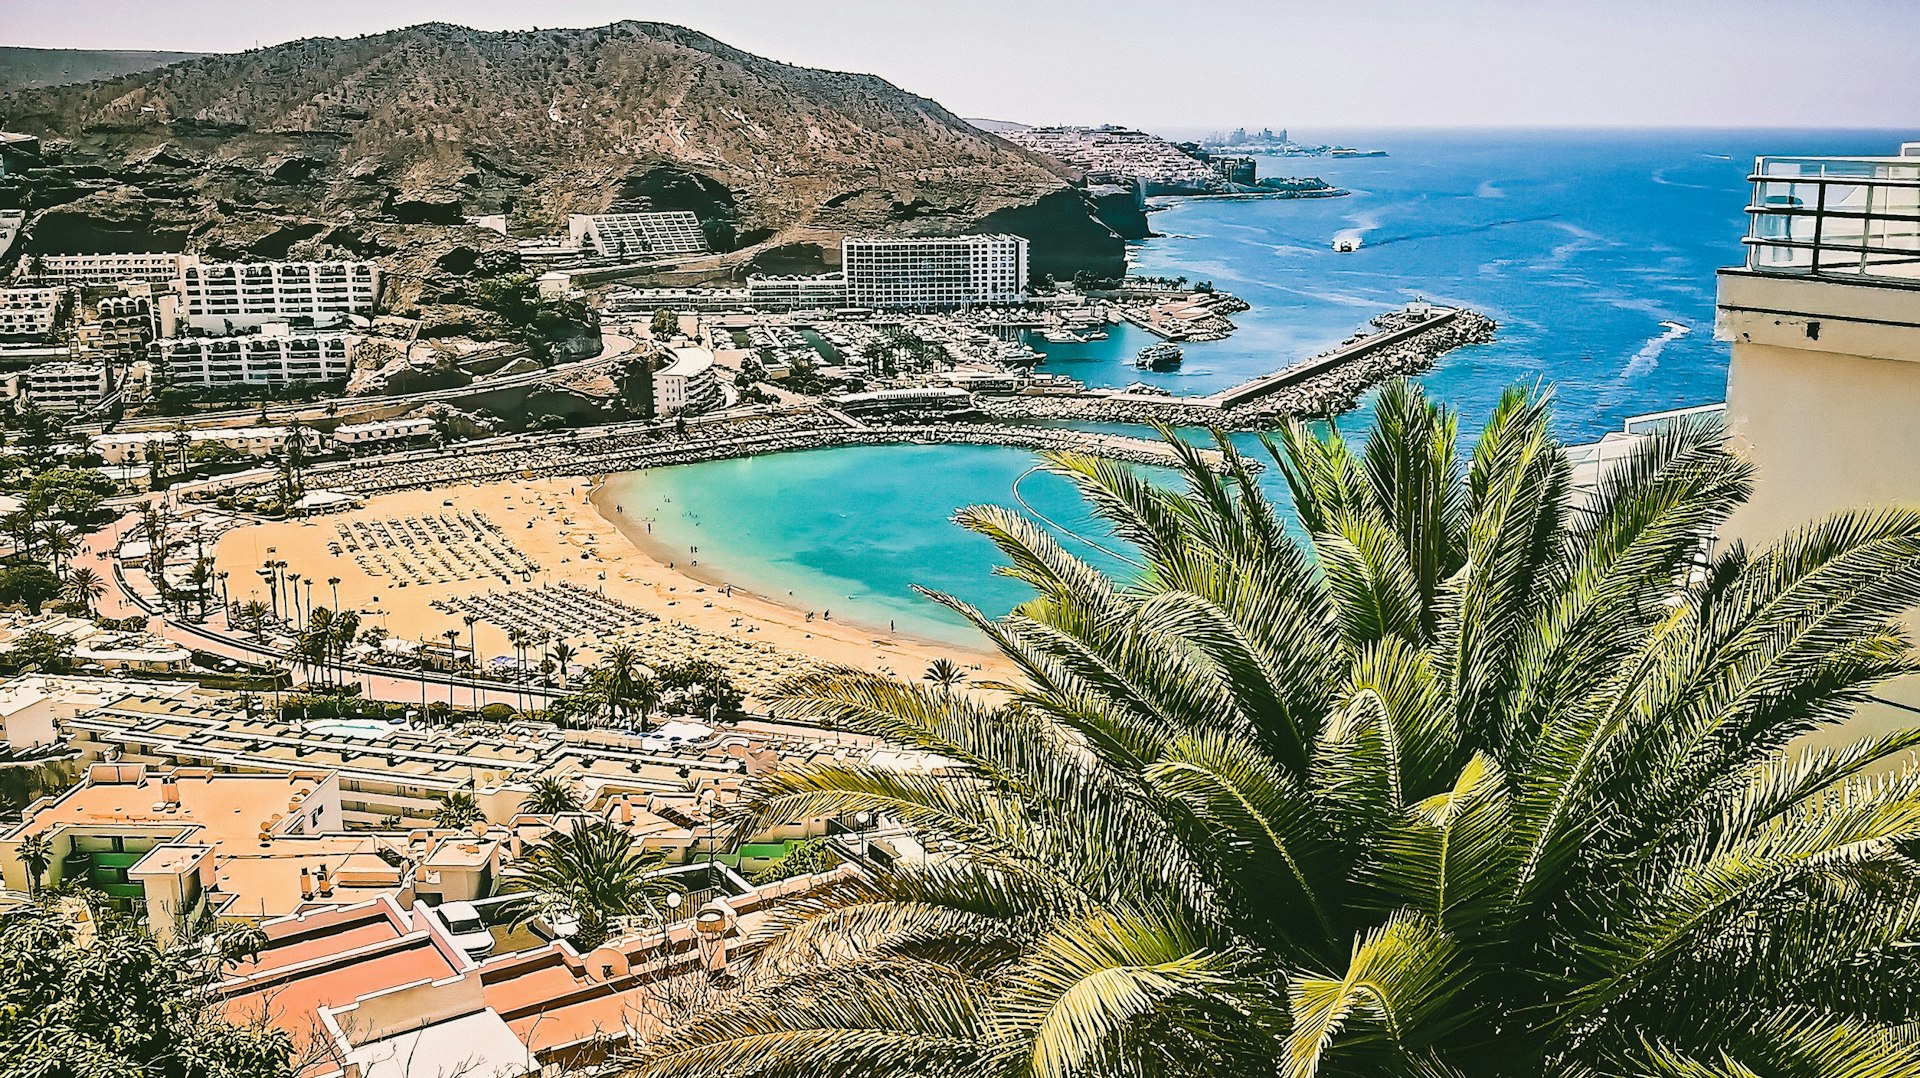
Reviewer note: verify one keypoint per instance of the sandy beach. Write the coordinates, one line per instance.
(540, 553)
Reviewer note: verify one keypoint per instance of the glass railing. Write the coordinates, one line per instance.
(1855, 217)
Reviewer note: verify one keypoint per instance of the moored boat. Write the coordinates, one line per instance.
(1159, 357)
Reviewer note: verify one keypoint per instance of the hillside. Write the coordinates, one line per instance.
(378, 145)
(27, 68)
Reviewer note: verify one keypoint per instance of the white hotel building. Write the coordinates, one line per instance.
(159, 268)
(933, 272)
(30, 312)
(253, 293)
(270, 358)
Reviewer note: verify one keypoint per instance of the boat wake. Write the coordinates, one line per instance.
(1648, 357)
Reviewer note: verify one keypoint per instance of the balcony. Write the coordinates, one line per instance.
(1851, 218)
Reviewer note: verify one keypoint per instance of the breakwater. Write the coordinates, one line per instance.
(1408, 342)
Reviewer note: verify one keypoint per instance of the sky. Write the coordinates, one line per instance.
(1179, 67)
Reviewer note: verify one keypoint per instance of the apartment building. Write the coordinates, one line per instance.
(63, 386)
(626, 235)
(1823, 318)
(933, 273)
(822, 292)
(216, 295)
(642, 302)
(131, 448)
(275, 356)
(104, 269)
(384, 432)
(31, 312)
(687, 382)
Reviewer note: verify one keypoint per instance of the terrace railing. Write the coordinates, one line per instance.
(1841, 217)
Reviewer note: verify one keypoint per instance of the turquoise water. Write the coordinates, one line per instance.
(1580, 244)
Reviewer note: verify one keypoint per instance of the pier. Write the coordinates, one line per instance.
(1286, 376)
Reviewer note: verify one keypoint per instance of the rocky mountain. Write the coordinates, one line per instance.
(22, 68)
(379, 145)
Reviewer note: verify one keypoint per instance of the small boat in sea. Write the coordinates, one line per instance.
(1061, 336)
(1346, 244)
(1159, 357)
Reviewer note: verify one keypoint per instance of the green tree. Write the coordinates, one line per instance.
(29, 585)
(457, 811)
(1479, 783)
(551, 796)
(945, 673)
(113, 1003)
(84, 587)
(595, 872)
(36, 854)
(70, 494)
(665, 324)
(804, 858)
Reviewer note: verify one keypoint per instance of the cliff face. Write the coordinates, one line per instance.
(382, 142)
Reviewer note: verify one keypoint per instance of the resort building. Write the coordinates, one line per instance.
(384, 432)
(823, 292)
(158, 842)
(631, 235)
(933, 273)
(275, 356)
(30, 312)
(687, 382)
(1824, 322)
(131, 448)
(218, 295)
(103, 269)
(126, 324)
(63, 387)
(641, 302)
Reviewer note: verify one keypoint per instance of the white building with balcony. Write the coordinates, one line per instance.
(63, 386)
(217, 295)
(822, 292)
(275, 356)
(104, 269)
(30, 312)
(1823, 387)
(631, 235)
(687, 382)
(933, 272)
(384, 432)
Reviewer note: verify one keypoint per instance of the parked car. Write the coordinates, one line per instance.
(469, 932)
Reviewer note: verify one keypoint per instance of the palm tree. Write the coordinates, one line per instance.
(35, 854)
(253, 615)
(84, 587)
(551, 796)
(457, 811)
(453, 641)
(620, 668)
(595, 872)
(1490, 780)
(563, 653)
(317, 638)
(340, 636)
(945, 674)
(519, 639)
(59, 540)
(643, 695)
(473, 658)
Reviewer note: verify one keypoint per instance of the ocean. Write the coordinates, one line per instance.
(1594, 250)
